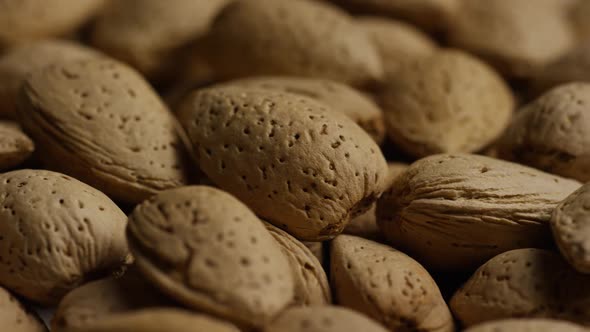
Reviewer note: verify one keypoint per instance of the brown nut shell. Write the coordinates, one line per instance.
(91, 304)
(100, 121)
(454, 212)
(570, 224)
(26, 20)
(527, 325)
(387, 285)
(292, 160)
(126, 29)
(552, 133)
(206, 249)
(15, 317)
(427, 14)
(573, 66)
(57, 232)
(15, 145)
(311, 282)
(158, 320)
(524, 283)
(339, 97)
(294, 38)
(323, 319)
(20, 61)
(519, 37)
(398, 43)
(448, 102)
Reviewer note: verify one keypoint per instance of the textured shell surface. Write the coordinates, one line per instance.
(292, 160)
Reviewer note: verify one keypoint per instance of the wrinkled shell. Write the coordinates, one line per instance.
(323, 319)
(206, 249)
(387, 285)
(517, 36)
(454, 212)
(365, 225)
(158, 320)
(570, 224)
(295, 38)
(311, 282)
(398, 43)
(93, 303)
(101, 122)
(527, 325)
(56, 233)
(571, 67)
(339, 97)
(448, 102)
(26, 20)
(18, 62)
(14, 317)
(428, 14)
(292, 160)
(15, 146)
(552, 133)
(127, 31)
(524, 283)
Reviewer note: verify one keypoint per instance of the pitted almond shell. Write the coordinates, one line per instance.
(455, 211)
(292, 160)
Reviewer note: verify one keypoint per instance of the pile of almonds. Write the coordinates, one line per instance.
(294, 165)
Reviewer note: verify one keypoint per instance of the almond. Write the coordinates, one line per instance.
(158, 320)
(524, 283)
(15, 146)
(527, 325)
(339, 97)
(26, 20)
(15, 317)
(20, 61)
(126, 29)
(428, 14)
(99, 121)
(570, 224)
(206, 249)
(573, 66)
(551, 133)
(311, 282)
(56, 233)
(448, 102)
(323, 319)
(292, 160)
(398, 43)
(294, 38)
(387, 285)
(454, 212)
(517, 36)
(96, 302)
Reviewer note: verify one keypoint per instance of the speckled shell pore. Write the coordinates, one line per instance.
(206, 249)
(292, 160)
(99, 121)
(453, 212)
(56, 233)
